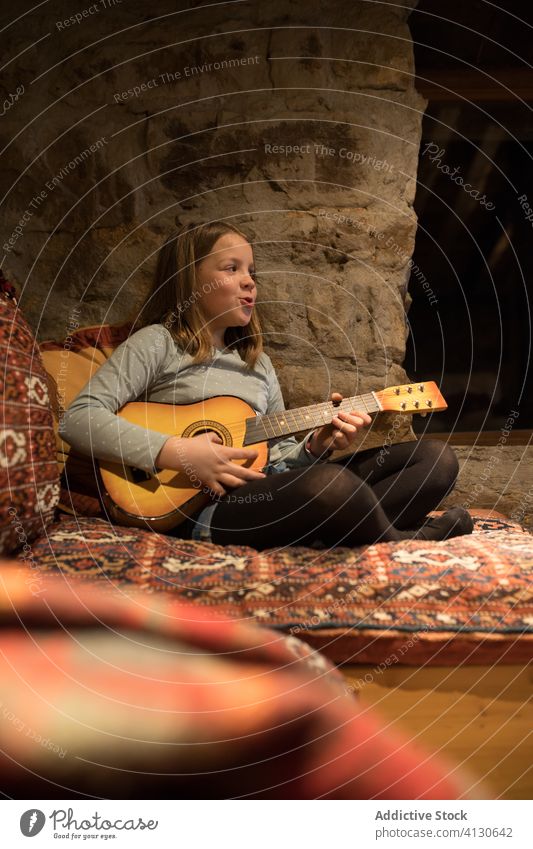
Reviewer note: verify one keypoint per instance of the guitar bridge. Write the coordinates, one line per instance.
(139, 475)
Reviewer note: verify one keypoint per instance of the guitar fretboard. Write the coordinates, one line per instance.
(273, 425)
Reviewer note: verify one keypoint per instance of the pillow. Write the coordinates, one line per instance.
(466, 600)
(29, 478)
(121, 699)
(70, 363)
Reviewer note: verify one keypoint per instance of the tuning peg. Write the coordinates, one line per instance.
(421, 387)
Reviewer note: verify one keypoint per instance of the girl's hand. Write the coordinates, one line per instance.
(341, 432)
(206, 461)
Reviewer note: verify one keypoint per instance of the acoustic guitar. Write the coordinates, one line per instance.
(164, 500)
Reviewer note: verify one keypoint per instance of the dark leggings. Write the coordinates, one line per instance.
(363, 498)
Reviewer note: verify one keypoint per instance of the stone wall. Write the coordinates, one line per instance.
(298, 121)
(496, 477)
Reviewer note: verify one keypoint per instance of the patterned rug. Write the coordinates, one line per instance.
(464, 600)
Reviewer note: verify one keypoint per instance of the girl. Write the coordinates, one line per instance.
(199, 335)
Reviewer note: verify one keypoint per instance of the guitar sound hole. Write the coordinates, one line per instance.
(139, 475)
(203, 430)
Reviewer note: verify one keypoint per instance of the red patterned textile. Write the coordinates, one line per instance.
(465, 600)
(29, 479)
(102, 697)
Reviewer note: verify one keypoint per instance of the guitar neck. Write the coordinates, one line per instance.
(273, 425)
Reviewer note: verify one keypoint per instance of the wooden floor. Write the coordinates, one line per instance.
(478, 716)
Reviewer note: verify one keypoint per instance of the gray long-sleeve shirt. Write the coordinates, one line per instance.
(149, 366)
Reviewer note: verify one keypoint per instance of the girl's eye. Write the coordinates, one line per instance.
(231, 268)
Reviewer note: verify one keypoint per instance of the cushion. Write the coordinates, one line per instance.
(107, 697)
(465, 600)
(70, 363)
(29, 478)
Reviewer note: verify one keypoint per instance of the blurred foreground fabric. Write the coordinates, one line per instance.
(107, 696)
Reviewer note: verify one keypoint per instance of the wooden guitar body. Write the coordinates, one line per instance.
(164, 500)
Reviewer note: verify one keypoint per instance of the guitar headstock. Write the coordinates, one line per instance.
(423, 397)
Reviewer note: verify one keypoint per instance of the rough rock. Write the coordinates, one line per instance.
(496, 477)
(223, 92)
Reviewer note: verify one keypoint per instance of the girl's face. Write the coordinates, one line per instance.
(225, 283)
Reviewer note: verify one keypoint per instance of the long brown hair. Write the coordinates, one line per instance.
(174, 295)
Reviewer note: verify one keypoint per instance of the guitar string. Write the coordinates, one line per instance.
(296, 415)
(257, 421)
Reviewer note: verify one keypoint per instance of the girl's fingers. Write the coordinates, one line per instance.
(366, 418)
(231, 481)
(241, 453)
(215, 489)
(344, 427)
(359, 419)
(238, 479)
(243, 473)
